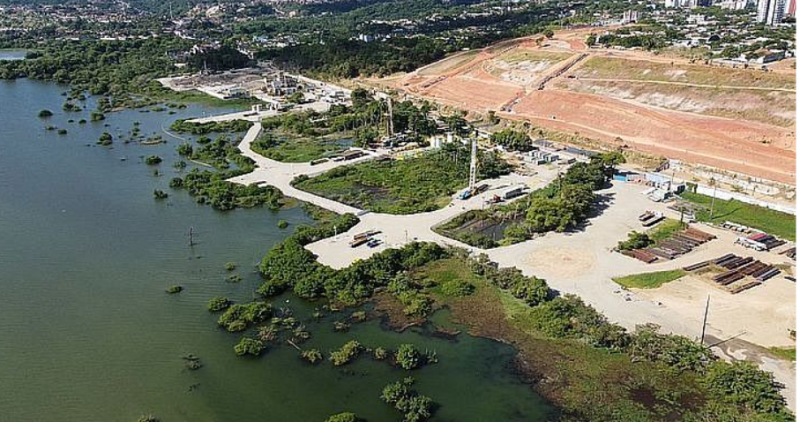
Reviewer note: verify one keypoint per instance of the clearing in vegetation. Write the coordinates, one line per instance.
(422, 183)
(773, 222)
(649, 280)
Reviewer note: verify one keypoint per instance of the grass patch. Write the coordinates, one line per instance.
(521, 55)
(197, 97)
(771, 221)
(422, 183)
(788, 353)
(649, 280)
(293, 149)
(666, 229)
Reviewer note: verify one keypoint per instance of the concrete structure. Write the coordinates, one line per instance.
(770, 11)
(630, 16)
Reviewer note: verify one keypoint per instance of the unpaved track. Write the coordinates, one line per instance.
(732, 87)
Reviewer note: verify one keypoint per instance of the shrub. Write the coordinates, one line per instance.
(343, 417)
(185, 149)
(152, 160)
(569, 317)
(379, 353)
(238, 317)
(105, 139)
(160, 194)
(248, 346)
(313, 356)
(742, 383)
(45, 113)
(218, 303)
(414, 407)
(677, 352)
(407, 357)
(635, 240)
(346, 353)
(457, 288)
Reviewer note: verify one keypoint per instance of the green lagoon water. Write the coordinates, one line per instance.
(87, 332)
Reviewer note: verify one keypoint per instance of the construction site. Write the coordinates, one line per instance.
(664, 106)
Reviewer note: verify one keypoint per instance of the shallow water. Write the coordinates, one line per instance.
(13, 54)
(88, 333)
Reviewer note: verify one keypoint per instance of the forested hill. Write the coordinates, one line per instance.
(159, 7)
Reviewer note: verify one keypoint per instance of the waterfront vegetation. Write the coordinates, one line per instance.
(184, 126)
(606, 373)
(213, 188)
(422, 183)
(643, 375)
(774, 222)
(413, 406)
(343, 417)
(346, 353)
(562, 205)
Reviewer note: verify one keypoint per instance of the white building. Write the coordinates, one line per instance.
(630, 16)
(770, 11)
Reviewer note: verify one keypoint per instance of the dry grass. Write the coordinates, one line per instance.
(613, 68)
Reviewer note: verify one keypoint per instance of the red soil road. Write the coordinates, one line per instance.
(728, 144)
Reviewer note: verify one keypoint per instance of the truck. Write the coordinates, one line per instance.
(469, 193)
(513, 192)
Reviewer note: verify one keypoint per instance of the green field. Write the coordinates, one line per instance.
(422, 183)
(665, 230)
(294, 149)
(649, 280)
(773, 222)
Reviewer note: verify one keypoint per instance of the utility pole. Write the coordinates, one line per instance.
(473, 165)
(713, 197)
(391, 117)
(705, 320)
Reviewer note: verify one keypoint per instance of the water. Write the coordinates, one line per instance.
(88, 333)
(13, 54)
